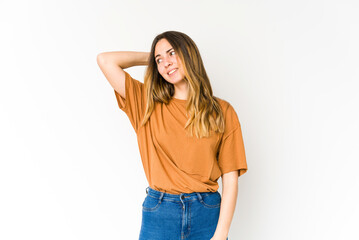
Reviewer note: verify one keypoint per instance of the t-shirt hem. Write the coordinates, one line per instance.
(242, 170)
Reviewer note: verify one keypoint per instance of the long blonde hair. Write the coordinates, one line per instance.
(204, 111)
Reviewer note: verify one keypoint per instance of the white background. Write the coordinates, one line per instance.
(70, 166)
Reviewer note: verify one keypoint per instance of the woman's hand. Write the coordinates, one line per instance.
(218, 238)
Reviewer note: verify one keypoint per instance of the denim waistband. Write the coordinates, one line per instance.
(180, 197)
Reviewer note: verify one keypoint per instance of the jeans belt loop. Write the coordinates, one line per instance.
(199, 196)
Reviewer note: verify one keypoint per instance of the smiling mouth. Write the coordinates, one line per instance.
(172, 71)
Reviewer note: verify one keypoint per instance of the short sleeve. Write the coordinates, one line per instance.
(134, 104)
(231, 151)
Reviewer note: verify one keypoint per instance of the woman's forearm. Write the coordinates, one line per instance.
(228, 205)
(125, 59)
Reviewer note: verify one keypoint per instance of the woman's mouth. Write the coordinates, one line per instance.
(172, 71)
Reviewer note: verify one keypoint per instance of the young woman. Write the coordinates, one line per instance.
(187, 139)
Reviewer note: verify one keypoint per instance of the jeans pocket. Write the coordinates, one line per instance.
(211, 200)
(150, 204)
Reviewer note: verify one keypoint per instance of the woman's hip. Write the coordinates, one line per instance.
(184, 215)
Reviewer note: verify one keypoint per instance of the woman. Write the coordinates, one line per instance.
(187, 139)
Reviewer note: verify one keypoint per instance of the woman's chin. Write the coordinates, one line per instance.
(174, 79)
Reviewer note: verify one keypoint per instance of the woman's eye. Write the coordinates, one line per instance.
(158, 60)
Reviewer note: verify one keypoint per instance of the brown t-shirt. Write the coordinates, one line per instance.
(173, 161)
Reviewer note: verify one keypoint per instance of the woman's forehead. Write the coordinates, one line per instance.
(162, 46)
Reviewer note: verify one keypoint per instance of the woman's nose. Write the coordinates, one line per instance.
(168, 62)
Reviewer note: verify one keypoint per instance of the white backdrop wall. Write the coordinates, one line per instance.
(70, 166)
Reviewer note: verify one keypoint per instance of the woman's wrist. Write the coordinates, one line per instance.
(140, 58)
(126, 59)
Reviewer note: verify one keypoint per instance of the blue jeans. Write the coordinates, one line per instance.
(190, 216)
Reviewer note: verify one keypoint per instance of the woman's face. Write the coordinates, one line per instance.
(168, 63)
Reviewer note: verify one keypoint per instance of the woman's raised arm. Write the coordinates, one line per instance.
(113, 63)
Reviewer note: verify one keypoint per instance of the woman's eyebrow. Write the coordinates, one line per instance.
(166, 52)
